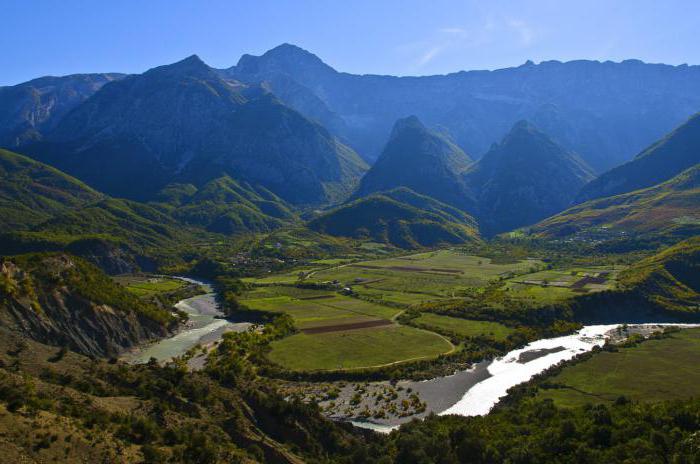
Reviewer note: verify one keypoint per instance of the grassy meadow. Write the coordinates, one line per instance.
(464, 327)
(145, 286)
(655, 370)
(357, 348)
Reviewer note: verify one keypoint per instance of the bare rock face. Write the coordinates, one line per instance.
(61, 300)
(30, 109)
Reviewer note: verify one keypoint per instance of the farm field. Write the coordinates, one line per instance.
(145, 286)
(655, 370)
(554, 284)
(354, 349)
(315, 308)
(464, 327)
(421, 277)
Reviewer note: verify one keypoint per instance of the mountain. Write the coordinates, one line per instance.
(30, 109)
(185, 123)
(524, 179)
(421, 160)
(605, 111)
(670, 208)
(62, 300)
(32, 192)
(398, 217)
(664, 159)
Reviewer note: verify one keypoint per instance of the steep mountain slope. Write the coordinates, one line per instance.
(421, 160)
(666, 158)
(524, 179)
(62, 300)
(32, 192)
(184, 123)
(670, 208)
(30, 109)
(399, 217)
(605, 111)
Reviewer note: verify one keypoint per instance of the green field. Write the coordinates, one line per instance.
(356, 348)
(550, 285)
(315, 308)
(655, 370)
(149, 286)
(421, 277)
(464, 327)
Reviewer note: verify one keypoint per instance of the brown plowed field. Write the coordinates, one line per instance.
(342, 327)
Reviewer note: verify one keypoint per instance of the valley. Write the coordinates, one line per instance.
(262, 258)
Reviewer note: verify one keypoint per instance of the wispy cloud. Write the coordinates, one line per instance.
(451, 39)
(443, 40)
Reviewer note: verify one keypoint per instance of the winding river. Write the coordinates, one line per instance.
(206, 324)
(471, 392)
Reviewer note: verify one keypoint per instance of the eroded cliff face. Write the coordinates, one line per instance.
(64, 301)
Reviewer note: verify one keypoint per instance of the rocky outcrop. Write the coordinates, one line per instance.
(29, 109)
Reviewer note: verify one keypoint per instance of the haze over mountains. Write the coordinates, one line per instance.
(607, 112)
(256, 146)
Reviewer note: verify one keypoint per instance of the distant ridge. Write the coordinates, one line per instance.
(661, 161)
(605, 111)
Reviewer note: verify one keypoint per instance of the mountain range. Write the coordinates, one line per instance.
(605, 111)
(669, 208)
(30, 109)
(185, 123)
(186, 148)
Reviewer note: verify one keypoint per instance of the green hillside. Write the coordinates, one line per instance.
(670, 279)
(226, 206)
(671, 208)
(399, 217)
(32, 192)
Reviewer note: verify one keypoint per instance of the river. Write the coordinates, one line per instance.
(476, 391)
(206, 324)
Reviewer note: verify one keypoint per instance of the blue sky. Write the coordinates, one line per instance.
(408, 37)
